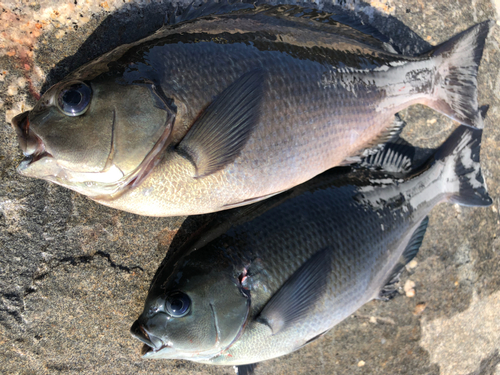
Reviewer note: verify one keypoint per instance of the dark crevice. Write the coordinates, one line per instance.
(84, 259)
(15, 314)
(64, 367)
(12, 305)
(30, 290)
(488, 366)
(11, 296)
(40, 276)
(119, 266)
(74, 261)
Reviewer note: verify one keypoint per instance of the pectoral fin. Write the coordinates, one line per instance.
(220, 133)
(299, 293)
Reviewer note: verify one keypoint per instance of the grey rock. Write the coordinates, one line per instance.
(74, 274)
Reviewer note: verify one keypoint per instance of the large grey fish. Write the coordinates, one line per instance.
(264, 280)
(227, 109)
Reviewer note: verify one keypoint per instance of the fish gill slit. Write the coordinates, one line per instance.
(111, 156)
(216, 324)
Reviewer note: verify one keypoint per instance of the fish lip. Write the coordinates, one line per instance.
(137, 330)
(21, 124)
(149, 348)
(30, 143)
(148, 351)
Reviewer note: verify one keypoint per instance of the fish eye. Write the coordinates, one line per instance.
(74, 99)
(178, 304)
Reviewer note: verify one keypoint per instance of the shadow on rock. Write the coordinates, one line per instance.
(488, 365)
(134, 23)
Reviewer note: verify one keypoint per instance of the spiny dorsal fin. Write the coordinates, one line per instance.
(411, 250)
(293, 301)
(222, 130)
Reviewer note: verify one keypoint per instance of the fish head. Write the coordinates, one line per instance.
(197, 314)
(95, 136)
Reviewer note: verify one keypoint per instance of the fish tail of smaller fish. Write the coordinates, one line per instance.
(463, 181)
(455, 84)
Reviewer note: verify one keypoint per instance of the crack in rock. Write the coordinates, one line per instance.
(13, 303)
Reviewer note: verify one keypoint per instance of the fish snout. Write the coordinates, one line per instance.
(141, 333)
(20, 123)
(29, 142)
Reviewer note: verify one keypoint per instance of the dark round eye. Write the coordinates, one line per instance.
(74, 99)
(178, 304)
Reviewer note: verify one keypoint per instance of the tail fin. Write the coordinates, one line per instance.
(464, 182)
(455, 89)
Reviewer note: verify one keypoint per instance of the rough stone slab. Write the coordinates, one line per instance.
(74, 274)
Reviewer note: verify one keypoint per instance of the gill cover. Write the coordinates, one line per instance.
(91, 133)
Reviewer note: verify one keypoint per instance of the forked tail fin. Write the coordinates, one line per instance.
(455, 85)
(464, 183)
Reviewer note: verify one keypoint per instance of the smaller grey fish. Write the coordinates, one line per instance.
(264, 280)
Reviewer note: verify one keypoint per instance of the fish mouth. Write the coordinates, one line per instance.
(31, 144)
(152, 344)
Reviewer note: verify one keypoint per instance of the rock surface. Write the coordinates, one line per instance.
(74, 274)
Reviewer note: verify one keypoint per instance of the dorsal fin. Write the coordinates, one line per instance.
(411, 250)
(211, 7)
(335, 20)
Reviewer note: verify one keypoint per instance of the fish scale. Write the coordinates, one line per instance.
(321, 92)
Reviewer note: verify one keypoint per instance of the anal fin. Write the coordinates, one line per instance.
(391, 133)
